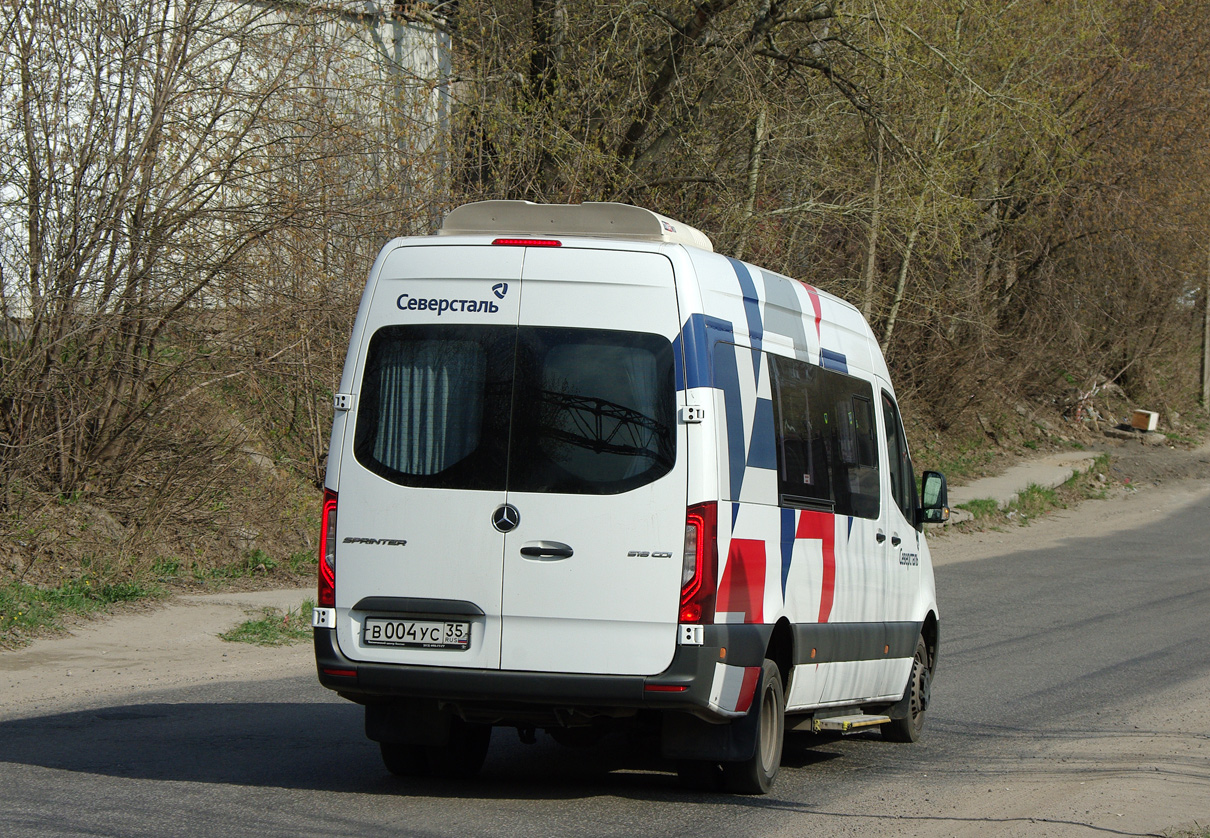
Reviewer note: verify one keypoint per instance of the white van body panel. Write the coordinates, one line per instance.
(611, 606)
(833, 569)
(429, 565)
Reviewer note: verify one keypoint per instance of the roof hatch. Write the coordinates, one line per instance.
(595, 219)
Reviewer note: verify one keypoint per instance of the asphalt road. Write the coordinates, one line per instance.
(1048, 657)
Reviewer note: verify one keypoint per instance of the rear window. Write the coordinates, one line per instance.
(575, 411)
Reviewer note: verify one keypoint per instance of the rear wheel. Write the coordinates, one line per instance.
(465, 752)
(461, 757)
(755, 775)
(404, 760)
(908, 728)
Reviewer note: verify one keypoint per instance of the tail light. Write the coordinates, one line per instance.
(327, 552)
(699, 574)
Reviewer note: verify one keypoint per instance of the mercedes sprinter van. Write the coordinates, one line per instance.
(586, 472)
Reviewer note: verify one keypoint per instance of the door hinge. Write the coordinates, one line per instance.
(692, 414)
(692, 635)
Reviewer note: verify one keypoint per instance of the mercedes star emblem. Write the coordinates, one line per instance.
(506, 517)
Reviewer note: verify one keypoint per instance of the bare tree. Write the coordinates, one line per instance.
(190, 189)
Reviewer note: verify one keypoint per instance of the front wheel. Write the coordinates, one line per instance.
(755, 775)
(916, 695)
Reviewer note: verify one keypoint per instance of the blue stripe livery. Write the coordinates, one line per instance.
(762, 452)
(694, 343)
(830, 360)
(751, 308)
(788, 530)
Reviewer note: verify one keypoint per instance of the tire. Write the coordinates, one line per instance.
(916, 694)
(756, 774)
(404, 760)
(463, 755)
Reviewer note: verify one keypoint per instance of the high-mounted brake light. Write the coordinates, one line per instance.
(529, 242)
(327, 552)
(699, 574)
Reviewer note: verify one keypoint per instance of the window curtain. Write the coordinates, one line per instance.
(431, 405)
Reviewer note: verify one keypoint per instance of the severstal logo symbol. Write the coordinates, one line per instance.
(500, 289)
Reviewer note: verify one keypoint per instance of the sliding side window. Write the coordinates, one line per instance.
(827, 444)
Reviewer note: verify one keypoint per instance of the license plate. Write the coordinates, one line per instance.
(425, 634)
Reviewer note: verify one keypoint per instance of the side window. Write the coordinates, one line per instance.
(827, 451)
(899, 465)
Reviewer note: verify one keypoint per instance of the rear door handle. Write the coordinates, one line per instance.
(881, 537)
(546, 550)
(896, 541)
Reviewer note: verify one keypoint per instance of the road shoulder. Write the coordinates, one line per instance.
(171, 646)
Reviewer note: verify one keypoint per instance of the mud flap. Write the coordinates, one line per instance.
(684, 736)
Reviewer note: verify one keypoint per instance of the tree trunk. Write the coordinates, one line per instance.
(756, 154)
(900, 285)
(871, 254)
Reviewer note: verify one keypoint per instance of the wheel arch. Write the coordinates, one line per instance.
(781, 651)
(931, 632)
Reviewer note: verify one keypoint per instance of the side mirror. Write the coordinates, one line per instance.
(934, 499)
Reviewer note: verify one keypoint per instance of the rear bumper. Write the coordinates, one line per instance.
(693, 682)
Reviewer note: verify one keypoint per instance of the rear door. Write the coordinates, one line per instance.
(591, 573)
(424, 471)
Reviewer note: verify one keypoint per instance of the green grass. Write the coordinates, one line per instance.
(166, 568)
(26, 610)
(303, 562)
(274, 627)
(967, 462)
(1083, 485)
(254, 563)
(1036, 501)
(981, 508)
(1030, 503)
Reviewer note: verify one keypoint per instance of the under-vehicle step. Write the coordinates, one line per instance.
(848, 724)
